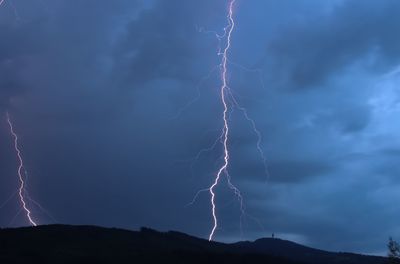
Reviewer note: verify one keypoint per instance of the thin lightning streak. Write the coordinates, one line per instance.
(16, 14)
(21, 189)
(197, 195)
(249, 119)
(209, 149)
(229, 103)
(244, 68)
(35, 202)
(32, 201)
(40, 207)
(8, 199)
(224, 89)
(13, 7)
(261, 153)
(204, 150)
(15, 216)
(198, 94)
(256, 131)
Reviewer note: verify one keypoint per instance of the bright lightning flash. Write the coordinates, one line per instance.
(21, 190)
(225, 135)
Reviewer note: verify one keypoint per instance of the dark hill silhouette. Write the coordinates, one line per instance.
(88, 244)
(294, 251)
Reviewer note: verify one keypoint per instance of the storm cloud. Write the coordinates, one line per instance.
(102, 96)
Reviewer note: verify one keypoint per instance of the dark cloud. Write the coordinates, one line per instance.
(348, 120)
(93, 87)
(165, 44)
(18, 47)
(60, 52)
(309, 53)
(295, 171)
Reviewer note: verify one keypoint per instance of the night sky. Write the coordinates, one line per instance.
(102, 96)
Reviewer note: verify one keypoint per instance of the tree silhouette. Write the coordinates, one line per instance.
(394, 251)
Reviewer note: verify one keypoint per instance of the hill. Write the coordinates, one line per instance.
(89, 244)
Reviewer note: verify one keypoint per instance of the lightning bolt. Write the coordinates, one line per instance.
(21, 190)
(229, 102)
(224, 92)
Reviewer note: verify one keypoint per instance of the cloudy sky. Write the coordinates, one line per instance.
(113, 100)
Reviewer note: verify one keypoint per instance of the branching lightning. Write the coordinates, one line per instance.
(225, 135)
(198, 94)
(255, 130)
(21, 190)
(229, 103)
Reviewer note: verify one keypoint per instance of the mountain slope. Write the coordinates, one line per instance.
(88, 244)
(294, 251)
